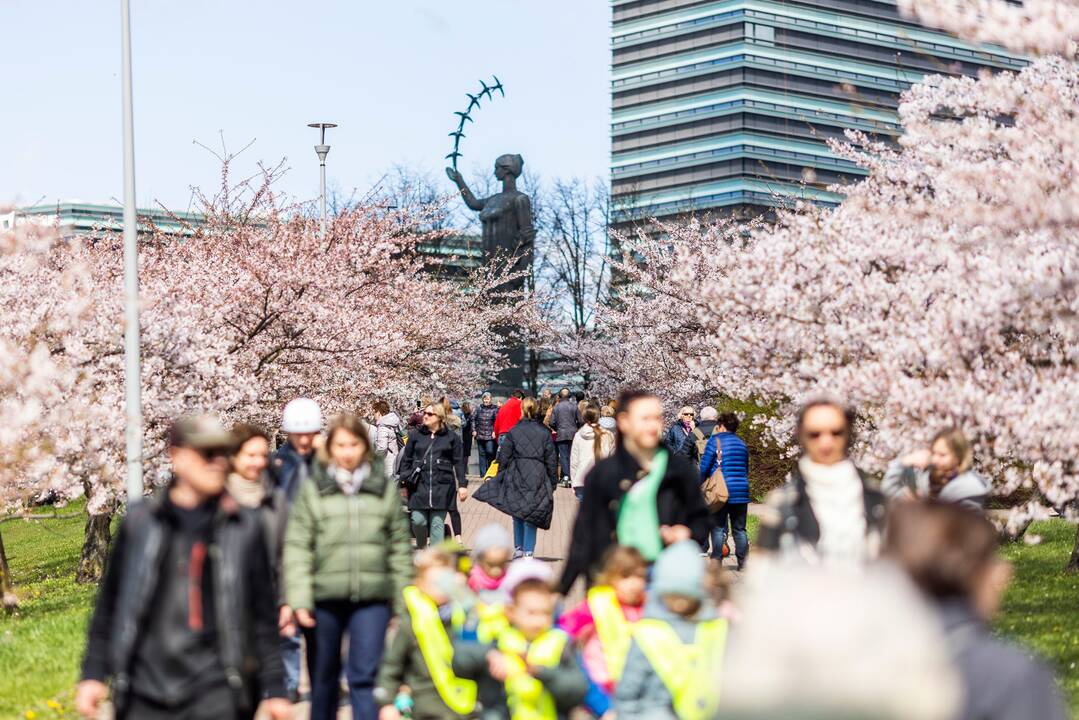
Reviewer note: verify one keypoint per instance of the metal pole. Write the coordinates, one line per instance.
(322, 191)
(132, 363)
(322, 150)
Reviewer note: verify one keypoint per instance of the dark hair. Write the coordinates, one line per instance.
(943, 547)
(729, 421)
(353, 424)
(518, 393)
(380, 406)
(620, 561)
(579, 395)
(848, 415)
(530, 585)
(466, 407)
(242, 432)
(631, 395)
(626, 398)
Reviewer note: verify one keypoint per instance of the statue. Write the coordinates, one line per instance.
(506, 216)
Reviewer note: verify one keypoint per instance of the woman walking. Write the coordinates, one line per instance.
(433, 470)
(591, 444)
(347, 559)
(527, 475)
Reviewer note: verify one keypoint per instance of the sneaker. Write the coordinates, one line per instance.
(518, 553)
(529, 555)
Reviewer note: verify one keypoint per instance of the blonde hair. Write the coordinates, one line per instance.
(439, 410)
(435, 557)
(959, 445)
(528, 408)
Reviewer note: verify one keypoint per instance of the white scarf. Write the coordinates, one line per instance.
(350, 482)
(835, 494)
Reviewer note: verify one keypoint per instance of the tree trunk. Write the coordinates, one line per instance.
(1073, 563)
(95, 548)
(7, 587)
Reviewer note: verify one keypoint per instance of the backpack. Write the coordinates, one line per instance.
(702, 441)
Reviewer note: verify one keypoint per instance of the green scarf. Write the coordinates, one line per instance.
(638, 516)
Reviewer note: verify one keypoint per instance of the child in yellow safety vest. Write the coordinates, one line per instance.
(420, 654)
(528, 672)
(602, 624)
(674, 662)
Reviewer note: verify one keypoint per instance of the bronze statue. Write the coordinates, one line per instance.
(506, 216)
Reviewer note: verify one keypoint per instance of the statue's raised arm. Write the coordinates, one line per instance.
(506, 216)
(470, 200)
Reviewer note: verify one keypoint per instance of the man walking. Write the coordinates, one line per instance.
(290, 466)
(483, 428)
(565, 421)
(185, 623)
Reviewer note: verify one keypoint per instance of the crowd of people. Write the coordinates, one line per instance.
(862, 600)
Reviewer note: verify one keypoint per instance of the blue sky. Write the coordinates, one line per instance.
(389, 73)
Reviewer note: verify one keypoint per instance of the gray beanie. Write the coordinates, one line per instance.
(679, 570)
(490, 537)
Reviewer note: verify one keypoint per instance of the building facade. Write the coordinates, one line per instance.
(72, 218)
(725, 107)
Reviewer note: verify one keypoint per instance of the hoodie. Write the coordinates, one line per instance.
(583, 453)
(967, 488)
(388, 439)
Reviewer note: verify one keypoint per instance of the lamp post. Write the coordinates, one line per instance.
(322, 150)
(132, 362)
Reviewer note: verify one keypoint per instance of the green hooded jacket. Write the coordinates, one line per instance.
(340, 547)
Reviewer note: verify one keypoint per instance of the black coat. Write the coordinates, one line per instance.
(527, 475)
(244, 615)
(432, 467)
(678, 502)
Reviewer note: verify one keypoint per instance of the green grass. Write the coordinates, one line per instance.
(1041, 608)
(41, 645)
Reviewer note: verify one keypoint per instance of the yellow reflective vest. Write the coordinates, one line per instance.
(525, 695)
(458, 694)
(614, 631)
(690, 672)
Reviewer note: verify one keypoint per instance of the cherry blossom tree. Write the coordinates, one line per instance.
(249, 310)
(943, 290)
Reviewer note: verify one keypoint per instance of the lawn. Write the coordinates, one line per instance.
(41, 646)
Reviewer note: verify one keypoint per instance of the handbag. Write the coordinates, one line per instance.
(714, 488)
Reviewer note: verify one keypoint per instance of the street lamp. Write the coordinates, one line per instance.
(132, 362)
(322, 150)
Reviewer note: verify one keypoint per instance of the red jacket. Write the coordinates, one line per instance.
(508, 416)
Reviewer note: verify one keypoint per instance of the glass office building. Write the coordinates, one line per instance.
(725, 107)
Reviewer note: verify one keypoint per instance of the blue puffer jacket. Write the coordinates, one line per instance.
(734, 461)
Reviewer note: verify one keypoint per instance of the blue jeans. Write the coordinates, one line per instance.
(524, 536)
(290, 657)
(564, 447)
(488, 449)
(579, 493)
(735, 513)
(429, 526)
(366, 625)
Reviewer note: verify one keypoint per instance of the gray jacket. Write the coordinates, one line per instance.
(640, 692)
(1001, 681)
(968, 488)
(565, 420)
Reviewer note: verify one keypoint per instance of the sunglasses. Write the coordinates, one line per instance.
(209, 454)
(429, 414)
(815, 434)
(688, 415)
